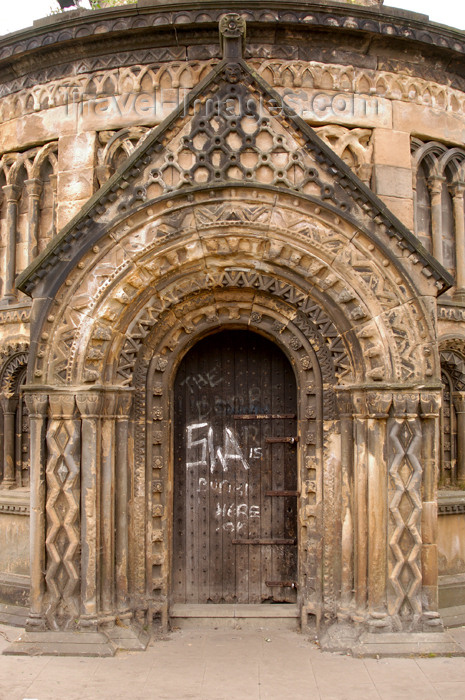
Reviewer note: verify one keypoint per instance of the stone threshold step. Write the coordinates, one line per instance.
(234, 611)
(453, 616)
(13, 615)
(407, 644)
(51, 643)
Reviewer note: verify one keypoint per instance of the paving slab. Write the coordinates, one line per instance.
(208, 664)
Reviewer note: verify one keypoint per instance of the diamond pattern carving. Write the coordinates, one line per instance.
(62, 508)
(405, 517)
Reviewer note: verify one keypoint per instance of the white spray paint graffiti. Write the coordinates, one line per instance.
(202, 452)
(202, 380)
(230, 450)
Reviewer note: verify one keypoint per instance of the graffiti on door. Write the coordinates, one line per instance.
(204, 452)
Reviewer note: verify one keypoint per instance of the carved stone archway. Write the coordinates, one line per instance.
(182, 241)
(100, 349)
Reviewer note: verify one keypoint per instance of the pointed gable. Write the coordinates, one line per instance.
(232, 129)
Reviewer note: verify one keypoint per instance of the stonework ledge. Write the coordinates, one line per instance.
(15, 501)
(451, 502)
(76, 643)
(346, 639)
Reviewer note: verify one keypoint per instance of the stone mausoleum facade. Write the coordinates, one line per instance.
(232, 320)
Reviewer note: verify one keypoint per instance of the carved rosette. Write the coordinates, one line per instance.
(232, 29)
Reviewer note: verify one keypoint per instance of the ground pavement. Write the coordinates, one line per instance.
(231, 665)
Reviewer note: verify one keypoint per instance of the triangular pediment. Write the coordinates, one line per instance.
(232, 129)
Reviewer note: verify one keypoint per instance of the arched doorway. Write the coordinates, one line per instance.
(235, 473)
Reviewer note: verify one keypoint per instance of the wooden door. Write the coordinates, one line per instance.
(235, 475)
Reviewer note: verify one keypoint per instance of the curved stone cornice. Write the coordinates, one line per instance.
(51, 37)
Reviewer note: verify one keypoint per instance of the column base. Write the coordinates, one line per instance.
(8, 300)
(50, 643)
(128, 637)
(8, 484)
(103, 643)
(459, 296)
(358, 642)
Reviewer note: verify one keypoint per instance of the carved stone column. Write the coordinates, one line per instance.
(9, 406)
(123, 408)
(34, 190)
(12, 194)
(107, 508)
(53, 182)
(378, 404)
(435, 184)
(347, 505)
(405, 506)
(457, 192)
(37, 405)
(63, 509)
(89, 405)
(430, 403)
(459, 405)
(360, 419)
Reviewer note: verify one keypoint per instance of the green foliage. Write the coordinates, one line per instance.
(96, 5)
(101, 4)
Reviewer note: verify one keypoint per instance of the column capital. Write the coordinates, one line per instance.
(405, 405)
(359, 400)
(62, 406)
(9, 403)
(109, 404)
(435, 183)
(89, 404)
(34, 187)
(379, 403)
(430, 403)
(123, 407)
(457, 188)
(12, 193)
(37, 404)
(458, 397)
(345, 404)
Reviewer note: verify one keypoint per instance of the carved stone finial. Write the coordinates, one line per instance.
(232, 35)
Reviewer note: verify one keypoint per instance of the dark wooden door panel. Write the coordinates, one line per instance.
(235, 482)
